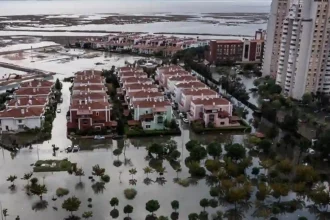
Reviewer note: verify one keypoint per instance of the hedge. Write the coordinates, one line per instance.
(148, 133)
(199, 130)
(61, 165)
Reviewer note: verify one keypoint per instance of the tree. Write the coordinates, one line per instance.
(114, 202)
(27, 177)
(97, 171)
(323, 143)
(114, 213)
(290, 122)
(175, 205)
(120, 127)
(34, 181)
(265, 145)
(38, 189)
(198, 153)
(280, 189)
(212, 165)
(58, 85)
(152, 206)
(307, 98)
(79, 172)
(12, 179)
(255, 171)
(204, 203)
(214, 149)
(128, 210)
(192, 144)
(263, 191)
(235, 151)
(117, 152)
(284, 166)
(272, 133)
(306, 174)
(132, 172)
(147, 170)
(193, 216)
(71, 204)
(87, 215)
(157, 149)
(5, 213)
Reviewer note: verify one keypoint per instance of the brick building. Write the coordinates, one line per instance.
(225, 51)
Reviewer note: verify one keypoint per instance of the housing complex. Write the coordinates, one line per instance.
(297, 48)
(26, 109)
(89, 104)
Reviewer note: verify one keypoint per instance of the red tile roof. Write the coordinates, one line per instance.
(136, 79)
(210, 101)
(142, 94)
(133, 123)
(188, 85)
(37, 83)
(168, 68)
(139, 86)
(199, 92)
(175, 73)
(90, 87)
(88, 79)
(182, 78)
(129, 69)
(23, 112)
(133, 74)
(88, 72)
(146, 116)
(32, 91)
(92, 105)
(151, 104)
(27, 101)
(86, 95)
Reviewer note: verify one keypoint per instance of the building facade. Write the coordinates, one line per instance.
(304, 60)
(225, 51)
(278, 12)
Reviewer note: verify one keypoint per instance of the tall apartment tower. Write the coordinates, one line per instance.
(304, 59)
(278, 12)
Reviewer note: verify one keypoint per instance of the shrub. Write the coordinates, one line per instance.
(184, 182)
(130, 193)
(213, 203)
(60, 192)
(105, 178)
(114, 213)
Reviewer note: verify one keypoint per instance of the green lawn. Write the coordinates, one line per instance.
(53, 165)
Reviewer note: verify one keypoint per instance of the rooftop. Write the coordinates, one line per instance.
(229, 41)
(132, 74)
(140, 86)
(183, 78)
(146, 94)
(88, 79)
(89, 105)
(151, 104)
(88, 96)
(210, 101)
(188, 85)
(199, 92)
(23, 112)
(37, 83)
(88, 72)
(88, 87)
(32, 91)
(27, 101)
(129, 69)
(136, 79)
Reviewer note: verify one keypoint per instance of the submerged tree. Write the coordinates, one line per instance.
(87, 215)
(152, 206)
(71, 204)
(27, 177)
(38, 189)
(12, 179)
(128, 209)
(148, 170)
(79, 172)
(98, 171)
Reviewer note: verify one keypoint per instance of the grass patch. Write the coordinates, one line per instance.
(53, 165)
(148, 133)
(130, 193)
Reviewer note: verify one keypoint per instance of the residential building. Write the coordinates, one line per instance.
(126, 75)
(216, 111)
(304, 60)
(121, 70)
(27, 102)
(191, 94)
(225, 51)
(88, 80)
(88, 73)
(90, 97)
(179, 87)
(17, 119)
(253, 49)
(278, 13)
(89, 115)
(33, 92)
(152, 114)
(167, 68)
(140, 87)
(143, 95)
(88, 88)
(136, 80)
(173, 80)
(41, 84)
(163, 77)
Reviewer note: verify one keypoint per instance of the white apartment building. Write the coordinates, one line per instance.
(278, 12)
(304, 59)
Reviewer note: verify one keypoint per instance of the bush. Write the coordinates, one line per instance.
(105, 178)
(130, 193)
(114, 213)
(60, 192)
(184, 182)
(213, 203)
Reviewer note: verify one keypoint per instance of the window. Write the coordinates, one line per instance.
(19, 121)
(97, 113)
(147, 126)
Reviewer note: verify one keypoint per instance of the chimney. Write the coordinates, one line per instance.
(34, 90)
(89, 108)
(30, 102)
(88, 90)
(22, 111)
(18, 101)
(79, 102)
(30, 83)
(27, 109)
(85, 101)
(104, 98)
(213, 103)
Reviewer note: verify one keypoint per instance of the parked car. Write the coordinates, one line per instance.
(75, 148)
(99, 137)
(58, 110)
(181, 115)
(69, 148)
(185, 120)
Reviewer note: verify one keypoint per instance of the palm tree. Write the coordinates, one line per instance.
(161, 170)
(152, 206)
(98, 171)
(71, 204)
(5, 213)
(38, 189)
(147, 170)
(128, 210)
(87, 215)
(12, 179)
(27, 177)
(79, 172)
(179, 170)
(132, 172)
